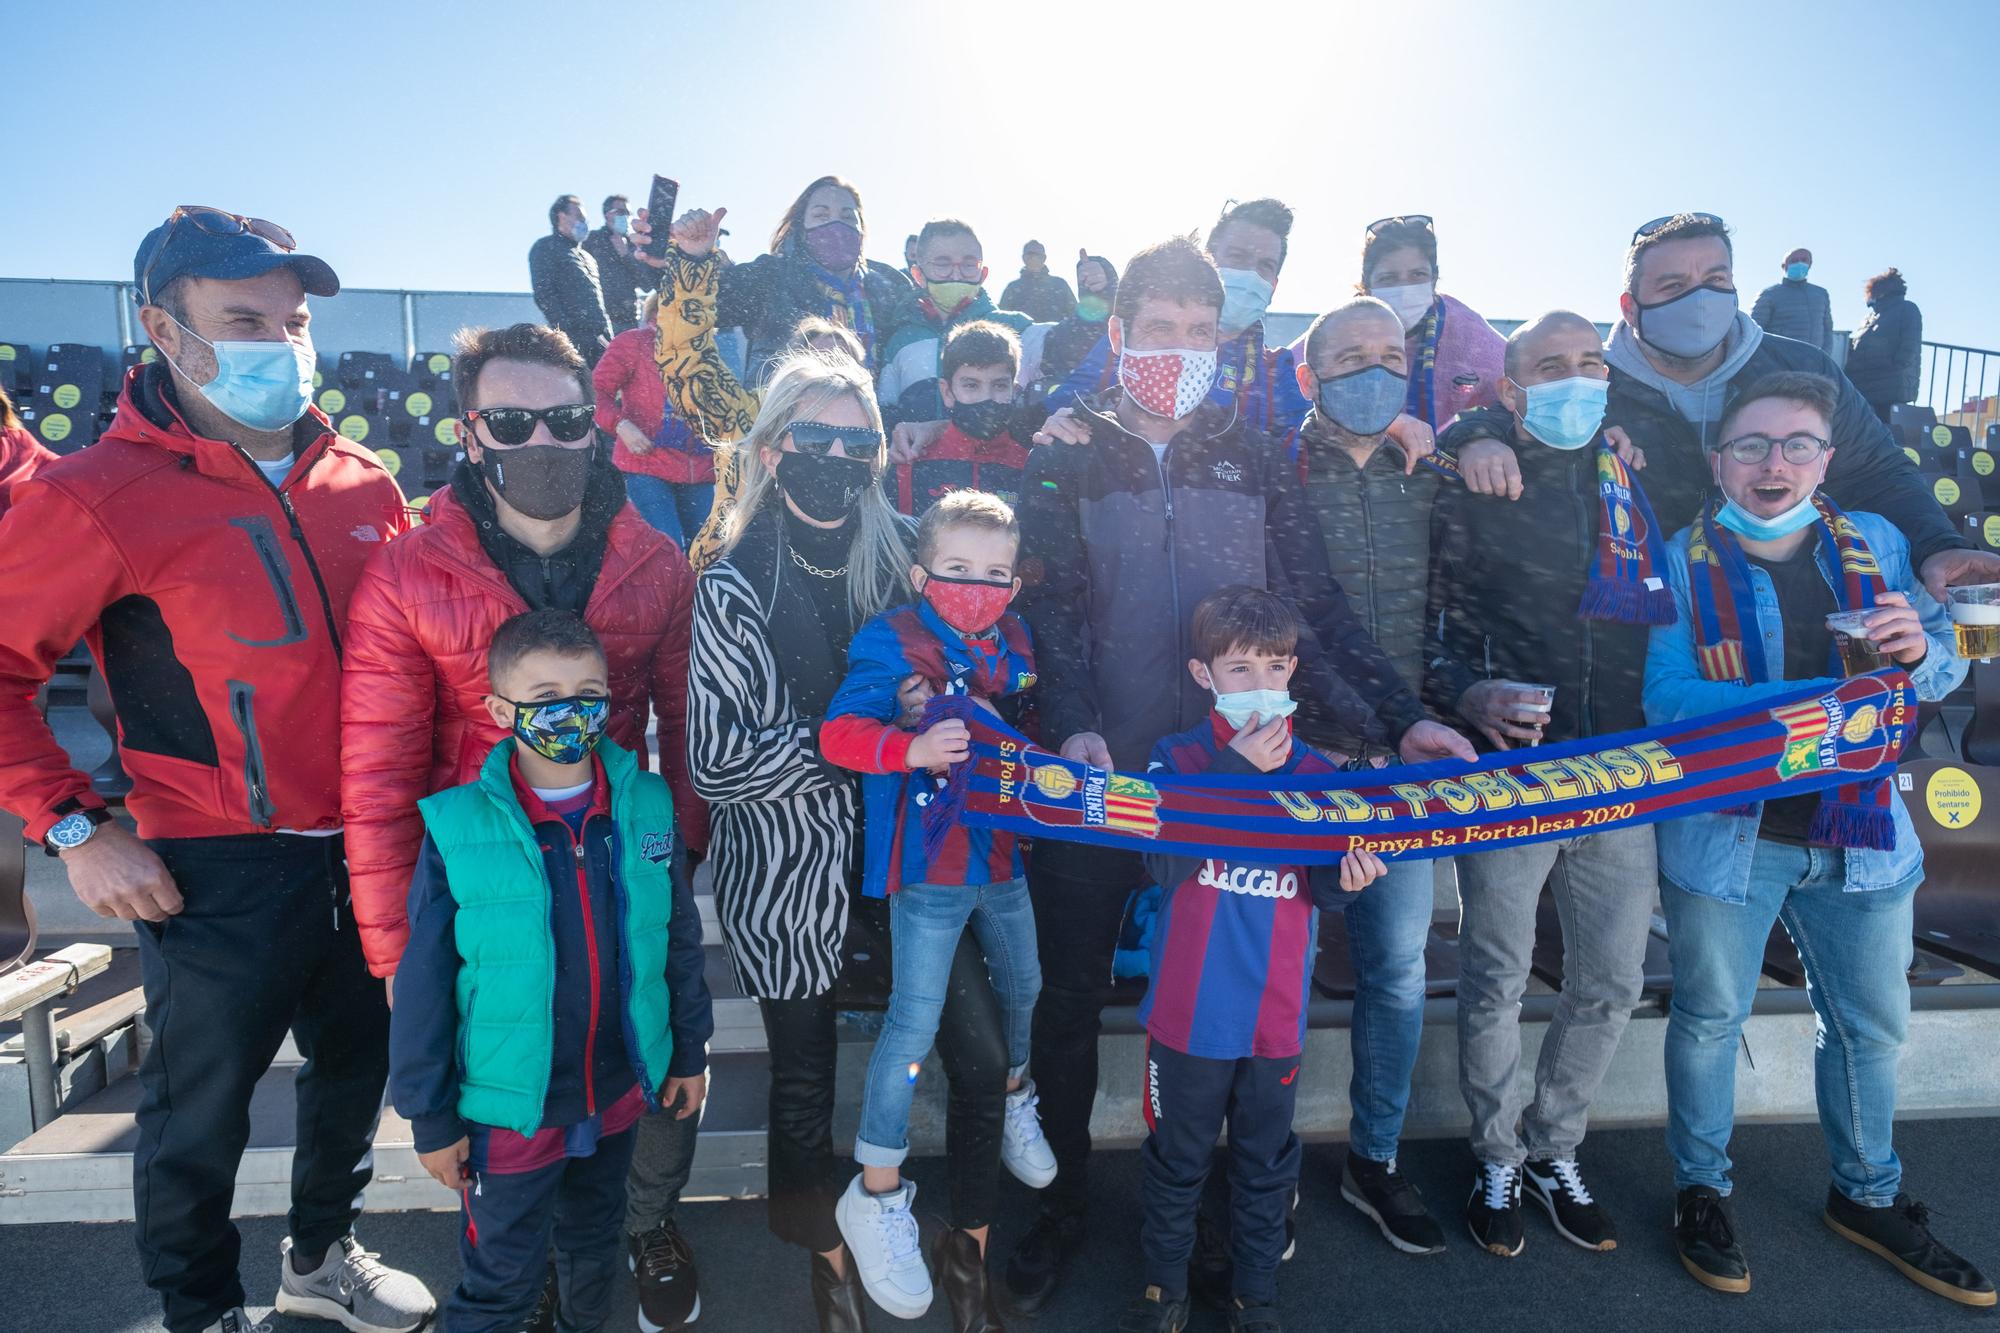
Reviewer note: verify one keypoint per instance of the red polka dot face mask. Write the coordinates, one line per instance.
(1169, 383)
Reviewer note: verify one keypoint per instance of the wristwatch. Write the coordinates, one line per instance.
(74, 830)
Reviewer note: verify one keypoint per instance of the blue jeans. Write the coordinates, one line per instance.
(1856, 948)
(1387, 928)
(677, 509)
(925, 922)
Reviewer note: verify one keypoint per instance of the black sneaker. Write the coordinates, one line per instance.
(1706, 1238)
(1386, 1197)
(1039, 1262)
(1254, 1319)
(1493, 1213)
(542, 1319)
(1901, 1234)
(669, 1294)
(1155, 1312)
(1211, 1270)
(1557, 1185)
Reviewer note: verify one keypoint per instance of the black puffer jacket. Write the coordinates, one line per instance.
(1506, 579)
(1887, 351)
(1118, 546)
(768, 297)
(1376, 523)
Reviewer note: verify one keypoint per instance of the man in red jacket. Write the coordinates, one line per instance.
(205, 547)
(535, 517)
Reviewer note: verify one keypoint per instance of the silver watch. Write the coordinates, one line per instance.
(72, 831)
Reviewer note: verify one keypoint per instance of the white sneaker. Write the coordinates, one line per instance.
(1022, 1148)
(882, 1244)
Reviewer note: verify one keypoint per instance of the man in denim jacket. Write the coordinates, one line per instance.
(1727, 875)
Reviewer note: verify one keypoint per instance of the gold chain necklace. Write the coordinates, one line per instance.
(813, 569)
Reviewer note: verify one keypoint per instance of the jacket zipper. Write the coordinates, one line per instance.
(622, 903)
(299, 538)
(1368, 545)
(596, 986)
(1173, 566)
(242, 711)
(1585, 713)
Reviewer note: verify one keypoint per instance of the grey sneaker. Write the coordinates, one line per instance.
(353, 1289)
(236, 1321)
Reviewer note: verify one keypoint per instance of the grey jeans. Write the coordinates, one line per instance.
(1604, 886)
(662, 1160)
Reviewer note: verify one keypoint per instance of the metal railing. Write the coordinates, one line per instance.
(1961, 384)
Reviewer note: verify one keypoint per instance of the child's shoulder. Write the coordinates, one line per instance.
(1190, 751)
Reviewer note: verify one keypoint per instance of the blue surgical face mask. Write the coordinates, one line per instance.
(1365, 401)
(1746, 524)
(1245, 298)
(1691, 324)
(263, 385)
(1564, 414)
(1797, 272)
(579, 229)
(1238, 708)
(621, 223)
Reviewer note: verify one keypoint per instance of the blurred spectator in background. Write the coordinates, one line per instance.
(21, 454)
(1888, 348)
(1063, 347)
(1454, 355)
(624, 280)
(950, 272)
(669, 470)
(1795, 308)
(1037, 293)
(566, 282)
(814, 268)
(909, 253)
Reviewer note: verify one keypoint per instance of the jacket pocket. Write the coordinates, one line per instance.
(243, 712)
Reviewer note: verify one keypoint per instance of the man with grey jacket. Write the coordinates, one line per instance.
(1795, 308)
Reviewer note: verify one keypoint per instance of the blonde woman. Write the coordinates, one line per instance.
(809, 552)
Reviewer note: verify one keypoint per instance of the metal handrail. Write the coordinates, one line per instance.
(1962, 385)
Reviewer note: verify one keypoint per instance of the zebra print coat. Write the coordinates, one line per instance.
(784, 822)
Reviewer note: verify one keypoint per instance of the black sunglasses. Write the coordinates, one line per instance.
(1649, 228)
(1411, 219)
(816, 437)
(512, 426)
(216, 222)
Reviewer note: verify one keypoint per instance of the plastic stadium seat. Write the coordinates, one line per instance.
(1983, 530)
(330, 397)
(136, 354)
(365, 427)
(431, 372)
(1333, 972)
(1915, 414)
(1546, 960)
(369, 373)
(1993, 436)
(1958, 492)
(67, 399)
(1955, 806)
(1951, 437)
(17, 369)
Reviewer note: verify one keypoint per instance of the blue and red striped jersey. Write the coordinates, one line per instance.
(860, 733)
(1233, 946)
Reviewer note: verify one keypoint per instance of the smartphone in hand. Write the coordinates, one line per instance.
(660, 214)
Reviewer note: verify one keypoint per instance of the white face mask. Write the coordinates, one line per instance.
(1237, 709)
(1410, 303)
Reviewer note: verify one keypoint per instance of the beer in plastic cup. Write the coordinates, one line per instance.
(1542, 698)
(1975, 619)
(1858, 653)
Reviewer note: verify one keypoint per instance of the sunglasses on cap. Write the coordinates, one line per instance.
(216, 222)
(1404, 219)
(1649, 228)
(816, 437)
(511, 427)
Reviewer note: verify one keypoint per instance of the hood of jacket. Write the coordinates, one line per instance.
(1702, 402)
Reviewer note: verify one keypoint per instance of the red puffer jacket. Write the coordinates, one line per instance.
(411, 709)
(216, 604)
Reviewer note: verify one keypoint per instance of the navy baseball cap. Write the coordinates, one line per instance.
(205, 242)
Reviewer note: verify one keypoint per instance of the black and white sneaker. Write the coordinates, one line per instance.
(1291, 1228)
(1386, 1197)
(669, 1287)
(1493, 1213)
(1557, 1185)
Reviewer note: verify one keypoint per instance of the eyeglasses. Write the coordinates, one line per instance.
(215, 222)
(1649, 228)
(511, 427)
(1755, 449)
(816, 437)
(1404, 219)
(972, 270)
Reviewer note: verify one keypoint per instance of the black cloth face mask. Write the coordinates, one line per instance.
(543, 481)
(826, 489)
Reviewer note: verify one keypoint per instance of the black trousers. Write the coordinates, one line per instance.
(1079, 894)
(265, 945)
(805, 1178)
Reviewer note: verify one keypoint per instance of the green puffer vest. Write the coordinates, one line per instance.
(507, 976)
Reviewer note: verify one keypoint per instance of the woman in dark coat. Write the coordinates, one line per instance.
(1888, 348)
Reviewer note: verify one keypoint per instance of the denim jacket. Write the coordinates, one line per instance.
(1710, 853)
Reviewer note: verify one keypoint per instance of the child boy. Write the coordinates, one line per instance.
(1232, 949)
(960, 639)
(552, 987)
(975, 450)
(949, 274)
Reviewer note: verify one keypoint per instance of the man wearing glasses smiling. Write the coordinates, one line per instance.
(535, 517)
(206, 547)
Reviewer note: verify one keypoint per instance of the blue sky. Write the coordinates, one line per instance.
(419, 145)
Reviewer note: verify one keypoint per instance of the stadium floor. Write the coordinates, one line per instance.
(75, 1278)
